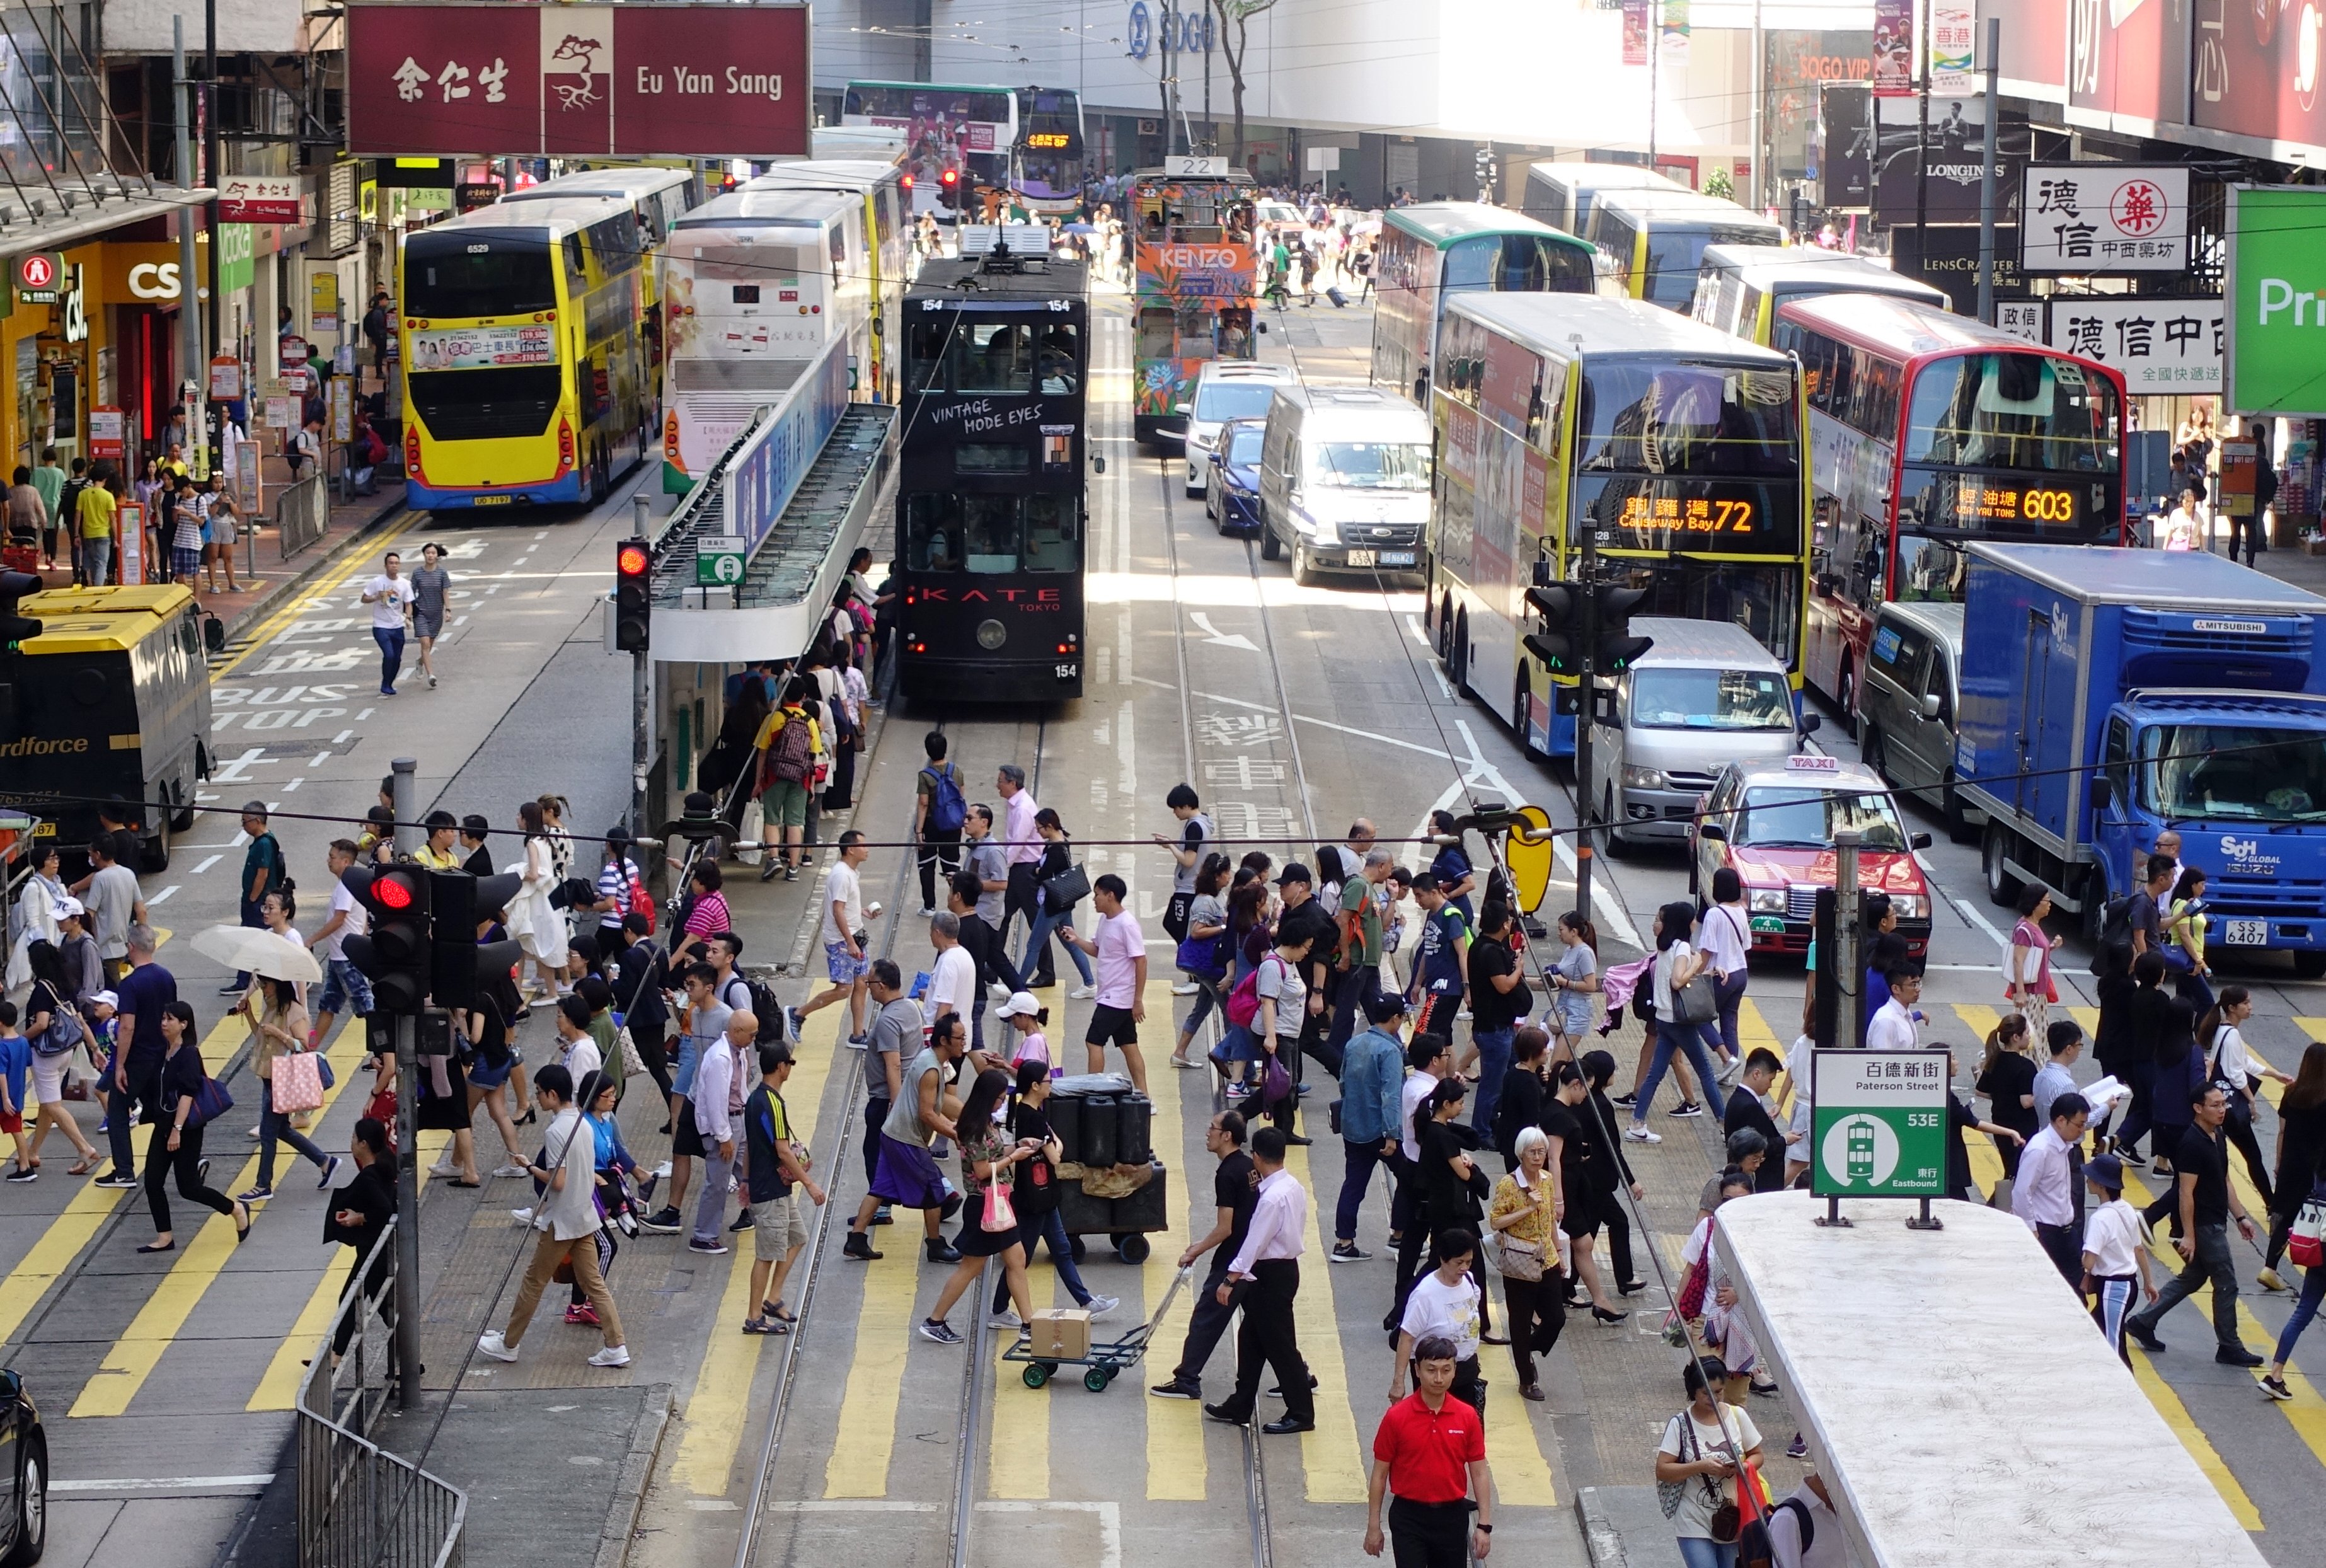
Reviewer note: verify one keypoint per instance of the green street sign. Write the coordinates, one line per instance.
(718, 561)
(1879, 1123)
(2274, 356)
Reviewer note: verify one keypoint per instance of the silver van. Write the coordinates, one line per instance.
(1907, 707)
(1708, 694)
(1345, 480)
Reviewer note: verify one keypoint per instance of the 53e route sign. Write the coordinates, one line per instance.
(1879, 1123)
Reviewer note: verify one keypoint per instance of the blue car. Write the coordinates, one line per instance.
(1232, 485)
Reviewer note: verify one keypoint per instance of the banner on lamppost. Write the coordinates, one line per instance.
(1954, 27)
(1894, 48)
(1636, 31)
(1673, 32)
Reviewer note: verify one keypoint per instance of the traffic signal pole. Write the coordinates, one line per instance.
(1587, 841)
(407, 1211)
(641, 698)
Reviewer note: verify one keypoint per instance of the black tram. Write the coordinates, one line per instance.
(989, 505)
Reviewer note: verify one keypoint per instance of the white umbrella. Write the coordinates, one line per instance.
(258, 951)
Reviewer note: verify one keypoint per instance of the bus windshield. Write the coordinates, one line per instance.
(1645, 416)
(2027, 411)
(1517, 264)
(471, 273)
(2210, 773)
(1776, 816)
(1710, 699)
(1370, 465)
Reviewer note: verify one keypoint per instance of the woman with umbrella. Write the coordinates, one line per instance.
(277, 1009)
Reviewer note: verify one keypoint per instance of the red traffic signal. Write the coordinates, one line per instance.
(632, 560)
(395, 952)
(633, 595)
(949, 177)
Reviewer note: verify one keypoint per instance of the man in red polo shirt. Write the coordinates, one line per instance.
(1430, 1450)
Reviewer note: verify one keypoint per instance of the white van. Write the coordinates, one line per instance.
(1345, 480)
(1708, 694)
(1226, 390)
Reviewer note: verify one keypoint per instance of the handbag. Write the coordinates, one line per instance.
(2307, 1245)
(1518, 1259)
(747, 841)
(1065, 890)
(330, 1079)
(1696, 1002)
(1275, 1080)
(211, 1101)
(295, 1085)
(1000, 1214)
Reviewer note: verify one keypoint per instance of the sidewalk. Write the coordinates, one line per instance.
(351, 520)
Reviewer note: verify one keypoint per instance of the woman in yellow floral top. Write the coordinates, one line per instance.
(1526, 1208)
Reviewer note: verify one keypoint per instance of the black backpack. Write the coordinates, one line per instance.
(2116, 930)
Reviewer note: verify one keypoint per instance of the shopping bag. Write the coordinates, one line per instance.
(295, 1085)
(2307, 1245)
(746, 843)
(998, 1213)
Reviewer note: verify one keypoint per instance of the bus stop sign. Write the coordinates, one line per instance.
(1879, 1123)
(718, 561)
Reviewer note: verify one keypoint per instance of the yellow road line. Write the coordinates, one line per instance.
(2176, 1415)
(1177, 1468)
(1331, 1454)
(278, 1387)
(50, 1255)
(714, 1412)
(1522, 1469)
(329, 582)
(859, 1467)
(198, 1261)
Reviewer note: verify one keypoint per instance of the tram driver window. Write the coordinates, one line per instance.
(1052, 532)
(933, 533)
(996, 357)
(1058, 358)
(992, 528)
(925, 352)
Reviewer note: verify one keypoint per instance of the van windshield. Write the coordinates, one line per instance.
(1710, 699)
(1221, 401)
(1374, 465)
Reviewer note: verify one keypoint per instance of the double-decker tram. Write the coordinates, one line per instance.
(527, 353)
(759, 281)
(1192, 247)
(1929, 431)
(1678, 449)
(990, 502)
(1050, 169)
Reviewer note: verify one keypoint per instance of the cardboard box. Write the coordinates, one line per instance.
(1063, 1332)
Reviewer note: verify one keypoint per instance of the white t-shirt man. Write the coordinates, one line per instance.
(390, 597)
(843, 887)
(357, 923)
(1435, 1307)
(952, 983)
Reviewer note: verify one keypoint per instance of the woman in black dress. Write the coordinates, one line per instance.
(176, 1146)
(2008, 1078)
(1453, 1189)
(1593, 1174)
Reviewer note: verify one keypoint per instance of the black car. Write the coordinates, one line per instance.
(23, 1476)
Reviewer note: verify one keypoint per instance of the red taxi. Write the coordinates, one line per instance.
(1773, 821)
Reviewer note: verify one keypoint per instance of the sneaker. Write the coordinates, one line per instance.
(492, 1343)
(881, 1216)
(1636, 1134)
(1005, 1322)
(1730, 1069)
(712, 1247)
(2275, 1388)
(1177, 1388)
(1185, 988)
(432, 682)
(928, 914)
(1798, 1447)
(612, 1356)
(1082, 992)
(1687, 1109)
(2132, 1157)
(115, 1177)
(1349, 1252)
(859, 1041)
(582, 1314)
(445, 1167)
(505, 1171)
(1627, 1101)
(791, 874)
(662, 1171)
(1100, 1306)
(252, 1195)
(2236, 1356)
(24, 1173)
(938, 1331)
(522, 1215)
(663, 1221)
(2267, 1279)
(742, 1222)
(331, 1168)
(229, 989)
(858, 1247)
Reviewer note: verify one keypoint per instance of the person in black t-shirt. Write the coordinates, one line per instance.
(2201, 1168)
(1235, 1188)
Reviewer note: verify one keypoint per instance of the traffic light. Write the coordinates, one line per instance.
(15, 628)
(1566, 615)
(394, 953)
(459, 962)
(1559, 643)
(949, 189)
(633, 592)
(1617, 647)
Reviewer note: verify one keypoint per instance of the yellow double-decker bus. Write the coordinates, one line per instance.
(528, 363)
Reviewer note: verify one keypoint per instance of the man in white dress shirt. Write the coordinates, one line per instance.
(1266, 1272)
(1892, 1027)
(2045, 1194)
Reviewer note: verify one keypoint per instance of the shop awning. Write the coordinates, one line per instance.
(46, 218)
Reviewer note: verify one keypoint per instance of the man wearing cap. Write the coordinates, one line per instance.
(145, 991)
(1305, 917)
(262, 869)
(1372, 1075)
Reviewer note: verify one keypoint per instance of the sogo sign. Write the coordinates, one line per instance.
(2276, 285)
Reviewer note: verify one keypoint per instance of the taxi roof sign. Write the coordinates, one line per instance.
(1812, 762)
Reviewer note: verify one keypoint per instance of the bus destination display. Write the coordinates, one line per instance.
(1975, 502)
(1732, 517)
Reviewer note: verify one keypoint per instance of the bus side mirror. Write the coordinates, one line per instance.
(1099, 463)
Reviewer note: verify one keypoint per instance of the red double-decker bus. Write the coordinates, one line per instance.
(1927, 432)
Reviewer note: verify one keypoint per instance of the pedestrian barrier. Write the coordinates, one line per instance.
(302, 514)
(360, 1505)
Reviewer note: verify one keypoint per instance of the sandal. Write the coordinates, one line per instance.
(84, 1166)
(243, 1213)
(777, 1311)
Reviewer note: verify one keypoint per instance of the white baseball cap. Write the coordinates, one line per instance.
(66, 908)
(1021, 1004)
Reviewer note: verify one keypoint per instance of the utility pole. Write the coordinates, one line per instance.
(196, 369)
(1849, 928)
(1986, 174)
(1921, 145)
(404, 771)
(1586, 839)
(1655, 61)
(642, 696)
(214, 414)
(1760, 93)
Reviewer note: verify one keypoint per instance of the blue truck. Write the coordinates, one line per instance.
(2110, 694)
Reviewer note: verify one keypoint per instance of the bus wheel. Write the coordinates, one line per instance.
(1459, 672)
(2309, 966)
(1846, 701)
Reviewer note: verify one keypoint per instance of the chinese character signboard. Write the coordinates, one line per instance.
(2164, 347)
(2275, 289)
(2021, 318)
(1952, 27)
(578, 79)
(259, 199)
(1879, 1123)
(2103, 218)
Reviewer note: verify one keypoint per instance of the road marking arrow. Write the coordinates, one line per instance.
(1214, 634)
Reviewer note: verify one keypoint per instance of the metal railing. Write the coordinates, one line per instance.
(360, 1505)
(302, 514)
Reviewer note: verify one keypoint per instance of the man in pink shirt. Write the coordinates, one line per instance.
(1120, 949)
(1024, 853)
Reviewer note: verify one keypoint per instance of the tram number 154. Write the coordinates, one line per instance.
(1068, 671)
